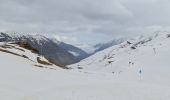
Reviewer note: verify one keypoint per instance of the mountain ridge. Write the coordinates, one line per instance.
(54, 52)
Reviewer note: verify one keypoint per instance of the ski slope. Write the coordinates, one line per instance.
(117, 73)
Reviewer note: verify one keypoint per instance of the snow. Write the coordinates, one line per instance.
(98, 80)
(74, 53)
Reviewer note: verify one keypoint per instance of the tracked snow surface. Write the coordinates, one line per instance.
(138, 69)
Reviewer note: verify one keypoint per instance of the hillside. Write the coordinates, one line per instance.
(143, 59)
(140, 52)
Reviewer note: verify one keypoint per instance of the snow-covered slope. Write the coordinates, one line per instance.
(134, 70)
(23, 53)
(144, 59)
(141, 52)
(21, 80)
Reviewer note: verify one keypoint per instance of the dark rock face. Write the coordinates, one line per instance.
(52, 51)
(80, 54)
(44, 46)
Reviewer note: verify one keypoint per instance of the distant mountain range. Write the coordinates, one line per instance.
(92, 49)
(102, 46)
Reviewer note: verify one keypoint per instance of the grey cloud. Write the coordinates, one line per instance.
(113, 17)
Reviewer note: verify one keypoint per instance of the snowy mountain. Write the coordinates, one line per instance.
(137, 69)
(56, 52)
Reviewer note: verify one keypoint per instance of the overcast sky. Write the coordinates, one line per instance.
(87, 21)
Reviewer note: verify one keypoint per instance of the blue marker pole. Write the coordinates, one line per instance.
(140, 73)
